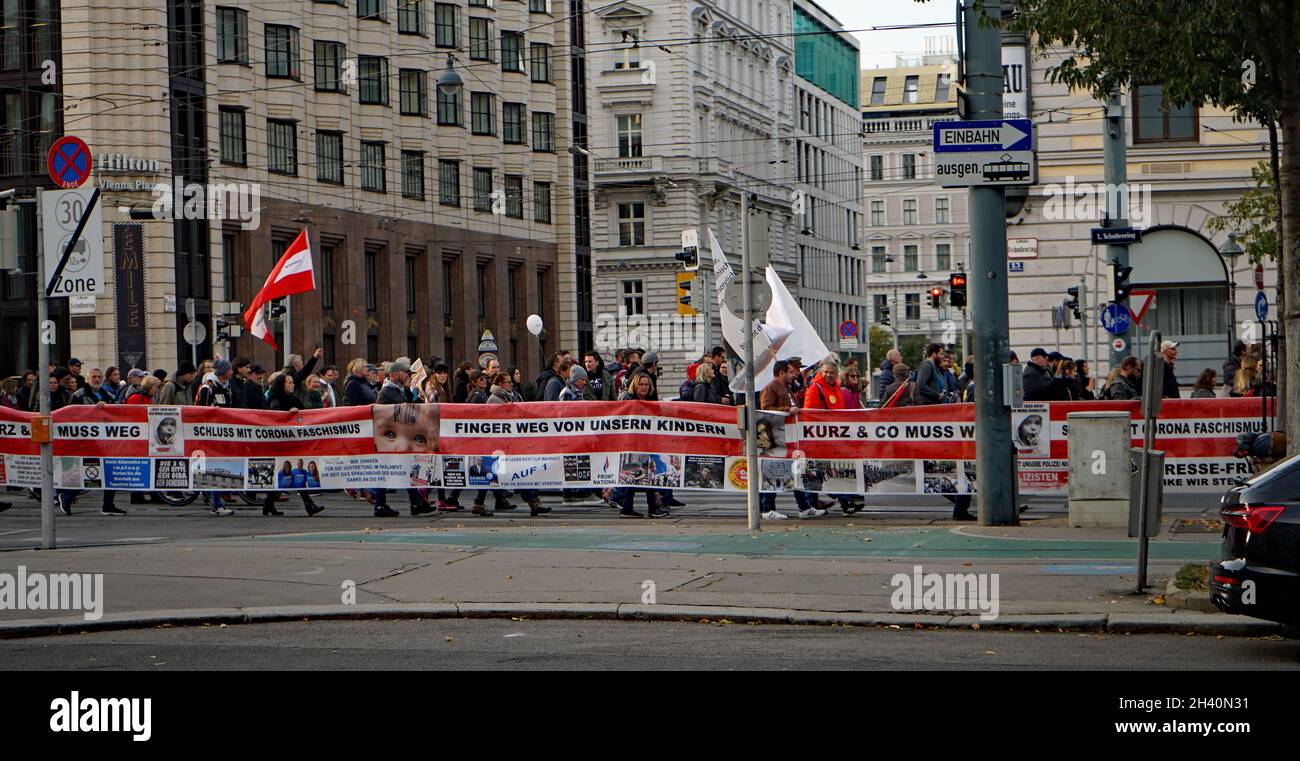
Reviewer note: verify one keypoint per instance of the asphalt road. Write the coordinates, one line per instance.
(613, 645)
(20, 526)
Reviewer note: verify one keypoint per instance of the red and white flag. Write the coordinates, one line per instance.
(292, 274)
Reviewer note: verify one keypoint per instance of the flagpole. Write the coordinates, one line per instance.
(288, 328)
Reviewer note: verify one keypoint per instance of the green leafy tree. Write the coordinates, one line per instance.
(1253, 217)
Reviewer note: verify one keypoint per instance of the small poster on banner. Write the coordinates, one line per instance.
(889, 476)
(225, 473)
(834, 476)
(425, 471)
(650, 470)
(577, 468)
(778, 475)
(166, 436)
(483, 470)
(261, 473)
(69, 472)
(604, 469)
(705, 472)
(453, 472)
(172, 474)
(126, 473)
(296, 473)
(939, 477)
(531, 472)
(1031, 432)
(92, 473)
(769, 432)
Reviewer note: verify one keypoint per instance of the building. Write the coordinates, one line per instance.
(828, 172)
(1184, 164)
(915, 233)
(434, 214)
(691, 106)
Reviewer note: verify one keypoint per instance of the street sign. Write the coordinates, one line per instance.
(194, 333)
(1116, 319)
(1139, 302)
(1261, 305)
(984, 153)
(69, 162)
(63, 213)
(1016, 266)
(1115, 236)
(1118, 344)
(1259, 277)
(848, 335)
(1022, 248)
(762, 293)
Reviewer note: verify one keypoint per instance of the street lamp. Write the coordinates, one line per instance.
(449, 81)
(1230, 252)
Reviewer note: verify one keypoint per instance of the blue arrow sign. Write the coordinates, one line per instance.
(1261, 306)
(984, 136)
(1115, 318)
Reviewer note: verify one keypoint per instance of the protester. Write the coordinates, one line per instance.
(575, 385)
(600, 383)
(93, 392)
(215, 391)
(1128, 381)
(149, 388)
(1205, 383)
(1170, 388)
(357, 391)
(281, 398)
(179, 390)
(394, 392)
(1248, 381)
(901, 391)
(775, 397)
(640, 387)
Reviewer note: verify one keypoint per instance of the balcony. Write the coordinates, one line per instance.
(904, 124)
(626, 169)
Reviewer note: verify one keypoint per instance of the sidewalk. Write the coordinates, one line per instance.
(1050, 577)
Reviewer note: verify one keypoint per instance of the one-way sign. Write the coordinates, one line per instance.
(985, 153)
(984, 136)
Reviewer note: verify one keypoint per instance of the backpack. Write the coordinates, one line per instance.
(686, 392)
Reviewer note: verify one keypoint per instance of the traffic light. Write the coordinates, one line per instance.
(884, 315)
(684, 282)
(690, 258)
(1073, 302)
(1121, 285)
(936, 297)
(957, 289)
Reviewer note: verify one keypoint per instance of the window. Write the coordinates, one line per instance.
(512, 123)
(1155, 121)
(878, 256)
(909, 166)
(481, 280)
(631, 224)
(877, 168)
(633, 297)
(410, 17)
(910, 216)
(413, 87)
(329, 57)
(480, 39)
(375, 9)
(628, 53)
(413, 174)
(11, 34)
(228, 264)
(543, 132)
(483, 190)
(372, 166)
(911, 258)
(942, 212)
(514, 186)
(327, 252)
(540, 55)
(480, 3)
(542, 202)
(329, 157)
(941, 87)
(913, 306)
(483, 113)
(282, 147)
(233, 139)
(910, 88)
(448, 294)
(372, 78)
(446, 25)
(412, 282)
(11, 155)
(878, 91)
(282, 56)
(943, 256)
(629, 135)
(448, 182)
(449, 108)
(512, 51)
(877, 213)
(232, 35)
(539, 6)
(371, 279)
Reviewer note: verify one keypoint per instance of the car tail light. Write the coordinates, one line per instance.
(1236, 516)
(1259, 518)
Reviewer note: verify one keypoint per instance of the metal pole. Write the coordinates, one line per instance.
(1083, 321)
(1115, 156)
(1148, 441)
(288, 329)
(751, 442)
(43, 386)
(988, 284)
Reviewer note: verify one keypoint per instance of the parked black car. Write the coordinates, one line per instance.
(1259, 574)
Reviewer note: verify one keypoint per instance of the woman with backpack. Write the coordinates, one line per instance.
(282, 399)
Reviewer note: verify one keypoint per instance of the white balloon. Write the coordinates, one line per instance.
(534, 324)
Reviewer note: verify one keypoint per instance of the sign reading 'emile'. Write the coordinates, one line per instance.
(128, 255)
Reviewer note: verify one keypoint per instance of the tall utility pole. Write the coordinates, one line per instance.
(751, 412)
(1115, 158)
(43, 383)
(995, 457)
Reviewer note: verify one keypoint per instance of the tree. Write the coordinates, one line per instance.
(1240, 56)
(1253, 217)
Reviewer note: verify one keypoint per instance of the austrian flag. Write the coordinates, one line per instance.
(292, 274)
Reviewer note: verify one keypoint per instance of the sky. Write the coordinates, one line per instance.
(880, 47)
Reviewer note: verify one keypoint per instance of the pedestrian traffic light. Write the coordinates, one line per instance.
(1073, 302)
(936, 297)
(690, 258)
(684, 282)
(957, 289)
(1121, 284)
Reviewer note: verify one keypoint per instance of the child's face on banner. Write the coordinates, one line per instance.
(406, 428)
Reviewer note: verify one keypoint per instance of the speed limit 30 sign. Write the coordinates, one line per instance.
(63, 213)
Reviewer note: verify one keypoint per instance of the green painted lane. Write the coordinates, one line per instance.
(903, 543)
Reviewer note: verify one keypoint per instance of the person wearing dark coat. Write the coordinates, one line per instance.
(281, 398)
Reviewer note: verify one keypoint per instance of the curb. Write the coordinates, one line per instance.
(1214, 624)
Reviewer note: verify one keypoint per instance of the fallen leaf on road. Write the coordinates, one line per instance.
(975, 627)
(990, 652)
(895, 626)
(967, 565)
(508, 578)
(1158, 600)
(448, 639)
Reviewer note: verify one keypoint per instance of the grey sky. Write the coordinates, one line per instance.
(880, 48)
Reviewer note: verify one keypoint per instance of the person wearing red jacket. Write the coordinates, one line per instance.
(824, 393)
